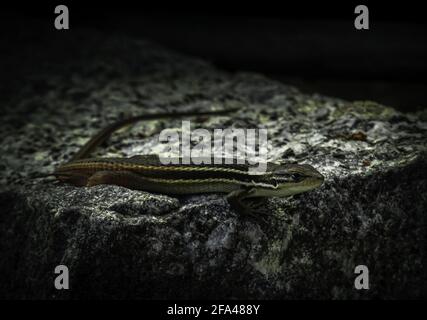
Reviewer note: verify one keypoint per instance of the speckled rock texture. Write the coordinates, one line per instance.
(119, 243)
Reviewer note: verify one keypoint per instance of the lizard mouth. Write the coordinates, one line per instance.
(315, 182)
(308, 184)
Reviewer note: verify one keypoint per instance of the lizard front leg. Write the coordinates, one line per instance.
(242, 201)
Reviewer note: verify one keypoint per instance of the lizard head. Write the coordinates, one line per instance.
(296, 178)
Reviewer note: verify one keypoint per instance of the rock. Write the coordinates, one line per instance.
(121, 243)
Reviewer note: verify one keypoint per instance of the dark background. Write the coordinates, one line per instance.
(312, 45)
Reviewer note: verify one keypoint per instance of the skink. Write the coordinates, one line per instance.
(146, 172)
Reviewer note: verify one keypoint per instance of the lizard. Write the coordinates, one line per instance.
(147, 173)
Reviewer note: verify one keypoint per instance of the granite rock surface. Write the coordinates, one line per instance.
(121, 243)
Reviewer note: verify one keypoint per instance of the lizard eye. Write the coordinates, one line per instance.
(296, 177)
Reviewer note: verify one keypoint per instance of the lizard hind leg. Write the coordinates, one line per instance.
(118, 178)
(78, 180)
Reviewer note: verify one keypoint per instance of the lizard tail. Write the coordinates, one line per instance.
(103, 135)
